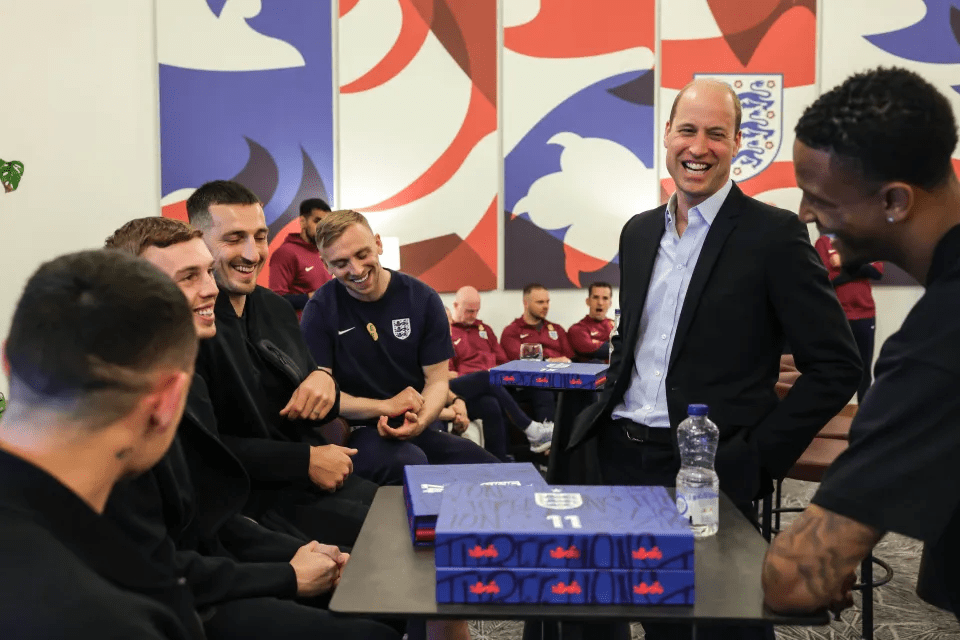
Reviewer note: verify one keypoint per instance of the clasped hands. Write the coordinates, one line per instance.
(409, 404)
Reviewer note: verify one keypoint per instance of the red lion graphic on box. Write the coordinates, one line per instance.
(560, 552)
(566, 589)
(480, 552)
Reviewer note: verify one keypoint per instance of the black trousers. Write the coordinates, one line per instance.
(331, 518)
(258, 618)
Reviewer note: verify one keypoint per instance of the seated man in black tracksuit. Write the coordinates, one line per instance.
(186, 513)
(98, 375)
(267, 393)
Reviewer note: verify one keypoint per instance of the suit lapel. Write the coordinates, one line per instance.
(646, 244)
(723, 224)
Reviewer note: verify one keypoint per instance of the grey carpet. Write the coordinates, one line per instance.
(898, 613)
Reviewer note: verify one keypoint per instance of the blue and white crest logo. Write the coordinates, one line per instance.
(761, 97)
(401, 328)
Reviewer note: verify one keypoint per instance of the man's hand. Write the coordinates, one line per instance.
(410, 428)
(316, 571)
(330, 465)
(337, 556)
(559, 359)
(313, 398)
(460, 418)
(810, 565)
(407, 400)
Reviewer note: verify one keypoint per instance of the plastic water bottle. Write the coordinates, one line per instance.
(698, 488)
(615, 332)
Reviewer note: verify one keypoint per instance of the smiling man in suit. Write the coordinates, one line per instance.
(713, 286)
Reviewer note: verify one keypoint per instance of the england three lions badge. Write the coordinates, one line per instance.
(401, 328)
(761, 127)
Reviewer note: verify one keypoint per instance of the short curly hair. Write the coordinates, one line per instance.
(889, 123)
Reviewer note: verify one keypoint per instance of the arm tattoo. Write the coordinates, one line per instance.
(814, 558)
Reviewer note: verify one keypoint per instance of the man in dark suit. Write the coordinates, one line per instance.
(713, 286)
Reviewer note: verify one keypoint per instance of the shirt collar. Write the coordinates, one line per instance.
(708, 209)
(945, 255)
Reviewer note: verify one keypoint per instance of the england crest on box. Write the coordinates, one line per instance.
(558, 500)
(761, 127)
(401, 328)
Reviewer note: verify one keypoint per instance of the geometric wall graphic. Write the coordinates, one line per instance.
(578, 136)
(767, 52)
(246, 93)
(914, 34)
(418, 132)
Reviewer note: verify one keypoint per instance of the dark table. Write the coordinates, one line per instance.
(388, 577)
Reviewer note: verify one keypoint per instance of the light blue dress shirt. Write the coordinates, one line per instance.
(645, 401)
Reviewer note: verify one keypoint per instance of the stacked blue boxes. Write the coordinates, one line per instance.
(550, 375)
(563, 545)
(423, 488)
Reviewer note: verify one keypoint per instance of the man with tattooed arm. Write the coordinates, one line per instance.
(873, 159)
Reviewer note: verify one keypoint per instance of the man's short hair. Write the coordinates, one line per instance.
(216, 192)
(530, 288)
(888, 123)
(90, 329)
(336, 223)
(599, 285)
(737, 108)
(310, 205)
(135, 236)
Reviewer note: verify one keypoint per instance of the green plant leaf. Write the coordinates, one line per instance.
(10, 173)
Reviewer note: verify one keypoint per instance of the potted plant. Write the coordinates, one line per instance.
(10, 174)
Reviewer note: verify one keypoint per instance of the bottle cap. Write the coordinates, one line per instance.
(697, 409)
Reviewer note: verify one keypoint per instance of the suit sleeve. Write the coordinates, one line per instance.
(510, 341)
(822, 344)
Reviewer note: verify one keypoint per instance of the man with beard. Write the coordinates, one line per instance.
(267, 392)
(385, 336)
(873, 159)
(590, 338)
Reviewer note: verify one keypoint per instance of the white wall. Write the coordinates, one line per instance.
(79, 109)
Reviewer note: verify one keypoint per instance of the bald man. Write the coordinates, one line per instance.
(474, 343)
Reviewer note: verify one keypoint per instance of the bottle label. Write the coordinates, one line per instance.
(698, 507)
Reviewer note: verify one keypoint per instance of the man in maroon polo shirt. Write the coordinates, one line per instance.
(296, 269)
(590, 338)
(533, 327)
(475, 344)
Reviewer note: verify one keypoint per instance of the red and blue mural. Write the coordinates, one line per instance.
(246, 93)
(418, 132)
(578, 130)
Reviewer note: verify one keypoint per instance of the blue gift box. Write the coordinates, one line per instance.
(424, 485)
(564, 586)
(550, 375)
(568, 527)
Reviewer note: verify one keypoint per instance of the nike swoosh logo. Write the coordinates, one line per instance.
(307, 268)
(524, 335)
(457, 341)
(345, 330)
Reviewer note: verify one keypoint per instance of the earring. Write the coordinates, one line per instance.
(890, 219)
